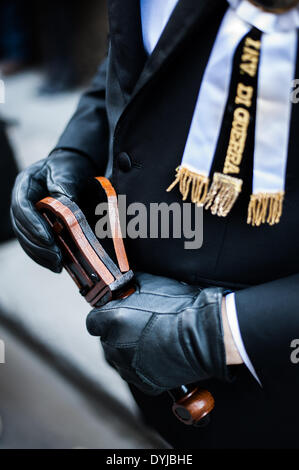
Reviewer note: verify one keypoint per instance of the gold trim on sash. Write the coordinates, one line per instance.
(223, 194)
(190, 182)
(265, 208)
(226, 187)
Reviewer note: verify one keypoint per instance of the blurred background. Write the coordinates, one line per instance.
(56, 391)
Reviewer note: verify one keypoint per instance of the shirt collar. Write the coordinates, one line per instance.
(266, 21)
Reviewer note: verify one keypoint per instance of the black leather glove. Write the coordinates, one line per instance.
(164, 335)
(59, 174)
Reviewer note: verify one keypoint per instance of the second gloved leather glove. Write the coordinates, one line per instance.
(164, 335)
(62, 173)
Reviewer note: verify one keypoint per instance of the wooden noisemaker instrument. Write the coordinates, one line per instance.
(100, 279)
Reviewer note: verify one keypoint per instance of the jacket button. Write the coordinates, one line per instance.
(124, 161)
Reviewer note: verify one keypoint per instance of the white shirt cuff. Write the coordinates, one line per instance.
(236, 333)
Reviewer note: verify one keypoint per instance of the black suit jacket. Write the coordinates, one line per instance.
(134, 122)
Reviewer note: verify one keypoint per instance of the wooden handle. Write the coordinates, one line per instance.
(100, 280)
(191, 406)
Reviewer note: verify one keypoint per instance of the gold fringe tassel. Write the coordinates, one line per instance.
(223, 194)
(191, 182)
(265, 208)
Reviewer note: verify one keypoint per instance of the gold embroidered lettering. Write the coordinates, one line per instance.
(252, 43)
(244, 95)
(237, 141)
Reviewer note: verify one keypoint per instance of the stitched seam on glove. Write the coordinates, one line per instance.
(142, 310)
(185, 350)
(120, 345)
(58, 185)
(27, 196)
(185, 296)
(136, 361)
(40, 220)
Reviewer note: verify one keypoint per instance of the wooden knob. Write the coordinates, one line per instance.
(194, 406)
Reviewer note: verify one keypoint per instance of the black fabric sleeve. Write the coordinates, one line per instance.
(88, 131)
(268, 317)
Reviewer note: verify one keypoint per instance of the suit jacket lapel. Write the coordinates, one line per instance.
(127, 42)
(186, 14)
(134, 68)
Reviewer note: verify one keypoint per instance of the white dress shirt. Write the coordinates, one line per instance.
(154, 17)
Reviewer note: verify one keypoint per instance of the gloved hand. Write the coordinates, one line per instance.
(59, 174)
(164, 335)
